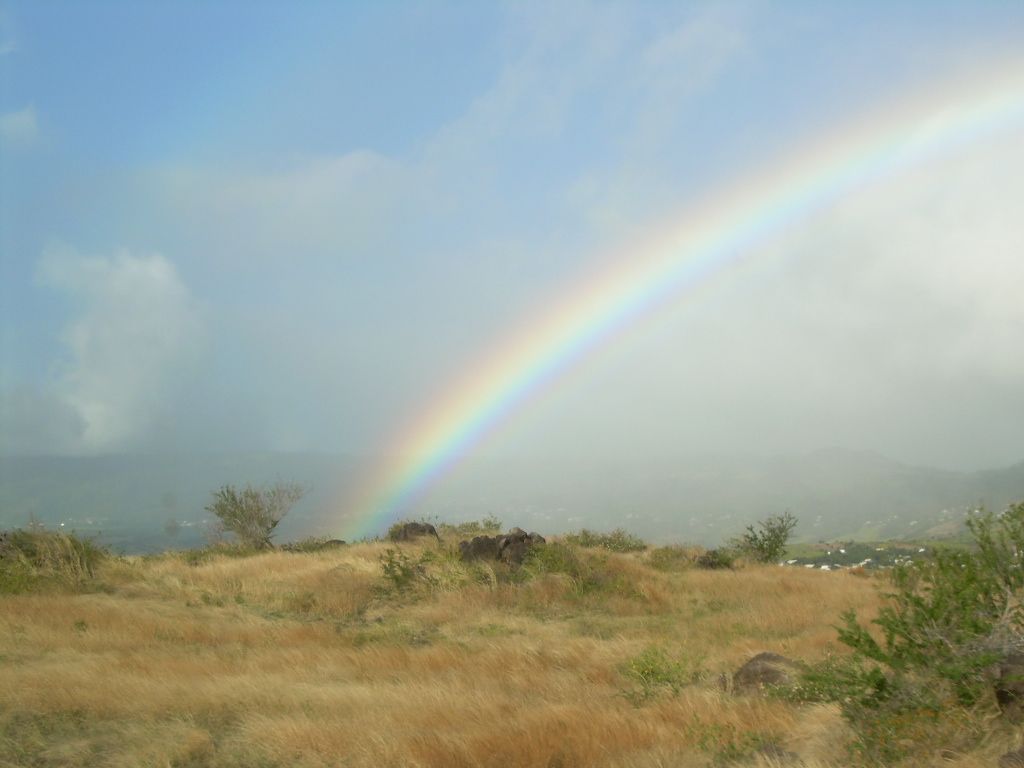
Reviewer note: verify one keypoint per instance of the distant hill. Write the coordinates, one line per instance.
(836, 494)
(130, 500)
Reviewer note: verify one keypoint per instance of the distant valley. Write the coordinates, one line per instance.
(153, 502)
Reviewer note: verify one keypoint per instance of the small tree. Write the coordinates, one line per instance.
(252, 514)
(767, 543)
(926, 677)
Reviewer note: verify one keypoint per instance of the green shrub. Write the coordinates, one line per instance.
(947, 620)
(619, 540)
(653, 671)
(554, 557)
(672, 558)
(588, 572)
(767, 542)
(210, 553)
(488, 526)
(400, 569)
(251, 513)
(34, 557)
(714, 559)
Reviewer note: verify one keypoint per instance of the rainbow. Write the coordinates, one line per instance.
(719, 233)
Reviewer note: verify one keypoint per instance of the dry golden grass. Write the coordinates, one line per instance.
(283, 659)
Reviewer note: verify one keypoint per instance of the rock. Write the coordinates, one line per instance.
(509, 548)
(765, 669)
(333, 543)
(480, 548)
(1014, 759)
(514, 551)
(410, 531)
(513, 546)
(1010, 687)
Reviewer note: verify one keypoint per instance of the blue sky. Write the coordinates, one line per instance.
(290, 226)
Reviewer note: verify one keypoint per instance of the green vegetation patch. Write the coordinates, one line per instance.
(947, 622)
(654, 672)
(619, 540)
(35, 558)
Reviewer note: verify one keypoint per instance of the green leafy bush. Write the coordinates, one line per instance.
(555, 557)
(400, 569)
(619, 540)
(714, 559)
(251, 513)
(487, 526)
(588, 571)
(767, 542)
(947, 620)
(673, 558)
(33, 557)
(312, 544)
(653, 671)
(210, 553)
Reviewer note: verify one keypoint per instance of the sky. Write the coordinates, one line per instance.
(294, 227)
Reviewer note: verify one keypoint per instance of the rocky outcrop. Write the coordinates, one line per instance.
(479, 548)
(511, 547)
(411, 531)
(763, 670)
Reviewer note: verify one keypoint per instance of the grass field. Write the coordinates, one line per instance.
(321, 659)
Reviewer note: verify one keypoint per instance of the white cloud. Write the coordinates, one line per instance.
(892, 321)
(134, 339)
(19, 127)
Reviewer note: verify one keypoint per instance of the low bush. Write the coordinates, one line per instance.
(619, 540)
(767, 542)
(488, 526)
(714, 559)
(401, 570)
(311, 544)
(34, 557)
(673, 558)
(253, 514)
(947, 621)
(589, 572)
(653, 671)
(405, 529)
(219, 549)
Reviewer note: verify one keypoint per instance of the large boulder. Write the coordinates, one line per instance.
(1010, 687)
(513, 546)
(480, 548)
(509, 548)
(765, 669)
(411, 531)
